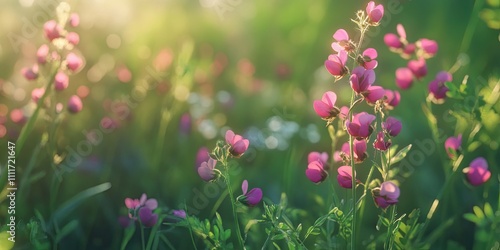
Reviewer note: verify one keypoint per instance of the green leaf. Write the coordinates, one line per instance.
(401, 154)
(488, 211)
(472, 218)
(127, 235)
(276, 246)
(67, 229)
(216, 232)
(278, 237)
(74, 202)
(227, 234)
(299, 228)
(479, 213)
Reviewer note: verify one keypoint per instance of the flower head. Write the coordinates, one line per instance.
(342, 42)
(344, 176)
(392, 98)
(418, 67)
(61, 81)
(368, 58)
(42, 54)
(380, 143)
(392, 126)
(315, 171)
(452, 145)
(477, 173)
(404, 78)
(387, 194)
(373, 94)
(374, 12)
(75, 104)
(360, 126)
(325, 107)
(437, 87)
(429, 47)
(52, 30)
(37, 93)
(74, 20)
(317, 156)
(73, 61)
(361, 79)
(206, 170)
(202, 155)
(73, 38)
(147, 217)
(335, 64)
(251, 198)
(238, 144)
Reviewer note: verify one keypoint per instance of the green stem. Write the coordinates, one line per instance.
(362, 205)
(469, 32)
(235, 215)
(390, 236)
(142, 237)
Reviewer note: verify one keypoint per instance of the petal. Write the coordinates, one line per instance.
(322, 109)
(211, 163)
(390, 190)
(370, 6)
(371, 64)
(329, 98)
(240, 147)
(369, 75)
(254, 196)
(244, 187)
(343, 57)
(355, 83)
(143, 199)
(151, 204)
(479, 162)
(333, 67)
(229, 137)
(370, 53)
(313, 156)
(129, 203)
(375, 93)
(206, 173)
(392, 40)
(401, 31)
(316, 175)
(341, 35)
(337, 47)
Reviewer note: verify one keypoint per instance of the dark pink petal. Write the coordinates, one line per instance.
(130, 203)
(355, 83)
(73, 38)
(392, 97)
(240, 147)
(392, 126)
(52, 30)
(315, 172)
(418, 67)
(147, 217)
(151, 204)
(430, 47)
(401, 31)
(443, 76)
(479, 162)
(359, 150)
(404, 78)
(229, 137)
(344, 176)
(322, 109)
(201, 156)
(452, 144)
(73, 61)
(254, 196)
(375, 93)
(244, 187)
(61, 81)
(392, 41)
(380, 143)
(75, 104)
(389, 190)
(478, 175)
(341, 35)
(206, 173)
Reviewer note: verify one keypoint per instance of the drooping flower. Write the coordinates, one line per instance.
(387, 194)
(61, 81)
(418, 67)
(392, 126)
(361, 79)
(179, 213)
(360, 126)
(359, 151)
(404, 78)
(335, 64)
(395, 42)
(477, 173)
(437, 87)
(238, 144)
(325, 108)
(368, 58)
(206, 170)
(147, 217)
(73, 61)
(374, 12)
(52, 30)
(344, 176)
(392, 98)
(452, 145)
(75, 104)
(373, 94)
(30, 73)
(342, 42)
(429, 47)
(315, 171)
(380, 143)
(251, 198)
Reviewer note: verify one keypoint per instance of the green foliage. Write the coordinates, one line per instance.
(213, 234)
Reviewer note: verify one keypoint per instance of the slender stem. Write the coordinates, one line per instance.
(231, 197)
(142, 237)
(389, 239)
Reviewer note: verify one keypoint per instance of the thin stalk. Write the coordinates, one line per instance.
(142, 237)
(389, 239)
(362, 205)
(235, 215)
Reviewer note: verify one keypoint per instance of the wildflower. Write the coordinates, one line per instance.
(134, 204)
(429, 47)
(335, 64)
(392, 126)
(37, 93)
(326, 108)
(452, 145)
(52, 30)
(74, 20)
(315, 171)
(147, 217)
(251, 198)
(201, 156)
(387, 194)
(344, 111)
(437, 87)
(61, 81)
(42, 54)
(30, 73)
(17, 116)
(75, 104)
(73, 38)
(392, 98)
(360, 126)
(361, 79)
(344, 176)
(477, 173)
(359, 151)
(342, 42)
(404, 78)
(418, 67)
(395, 42)
(368, 58)
(73, 62)
(374, 12)
(238, 145)
(179, 213)
(206, 170)
(380, 143)
(373, 94)
(317, 156)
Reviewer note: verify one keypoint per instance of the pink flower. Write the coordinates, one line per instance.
(238, 145)
(392, 41)
(375, 13)
(315, 171)
(251, 198)
(30, 73)
(368, 60)
(344, 111)
(452, 145)
(75, 104)
(73, 38)
(344, 176)
(317, 156)
(52, 30)
(335, 64)
(342, 42)
(361, 79)
(74, 20)
(392, 126)
(360, 126)
(326, 108)
(373, 94)
(386, 195)
(206, 170)
(477, 173)
(380, 142)
(201, 156)
(437, 87)
(17, 116)
(179, 213)
(73, 62)
(185, 124)
(37, 93)
(147, 217)
(404, 78)
(142, 202)
(429, 47)
(359, 150)
(61, 81)
(392, 98)
(418, 67)
(42, 54)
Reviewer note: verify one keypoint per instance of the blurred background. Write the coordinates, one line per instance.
(173, 76)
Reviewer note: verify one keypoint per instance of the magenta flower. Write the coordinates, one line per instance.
(202, 155)
(42, 54)
(344, 111)
(392, 41)
(134, 204)
(52, 30)
(361, 79)
(386, 195)
(147, 217)
(315, 171)
(477, 173)
(317, 156)
(206, 170)
(30, 73)
(37, 93)
(452, 145)
(251, 198)
(326, 108)
(61, 81)
(368, 60)
(392, 98)
(360, 126)
(74, 20)
(437, 87)
(380, 142)
(404, 78)
(375, 13)
(342, 42)
(418, 67)
(73, 38)
(344, 176)
(373, 94)
(359, 150)
(392, 126)
(238, 145)
(179, 213)
(429, 47)
(75, 104)
(335, 64)
(73, 62)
